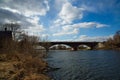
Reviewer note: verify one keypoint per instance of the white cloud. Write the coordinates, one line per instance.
(64, 23)
(66, 16)
(25, 12)
(11, 10)
(29, 24)
(89, 25)
(66, 31)
(7, 16)
(85, 25)
(28, 13)
(35, 28)
(98, 25)
(94, 38)
(69, 13)
(85, 38)
(27, 7)
(73, 29)
(34, 20)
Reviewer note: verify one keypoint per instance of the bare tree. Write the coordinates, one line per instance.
(113, 42)
(14, 27)
(45, 43)
(116, 39)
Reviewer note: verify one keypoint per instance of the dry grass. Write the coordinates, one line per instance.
(22, 67)
(18, 62)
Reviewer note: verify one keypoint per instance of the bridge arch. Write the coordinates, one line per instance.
(60, 47)
(83, 47)
(74, 45)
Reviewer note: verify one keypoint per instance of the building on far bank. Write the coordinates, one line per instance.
(5, 34)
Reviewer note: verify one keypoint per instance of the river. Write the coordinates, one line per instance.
(85, 65)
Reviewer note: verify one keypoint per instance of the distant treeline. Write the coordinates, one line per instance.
(113, 43)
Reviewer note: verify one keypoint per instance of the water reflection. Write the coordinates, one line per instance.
(85, 65)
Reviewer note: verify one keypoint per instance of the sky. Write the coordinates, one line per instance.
(64, 20)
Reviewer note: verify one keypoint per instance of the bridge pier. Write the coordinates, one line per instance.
(47, 49)
(92, 47)
(75, 48)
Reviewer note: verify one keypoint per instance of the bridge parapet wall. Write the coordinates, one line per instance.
(74, 45)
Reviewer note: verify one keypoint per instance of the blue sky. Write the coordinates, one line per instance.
(64, 20)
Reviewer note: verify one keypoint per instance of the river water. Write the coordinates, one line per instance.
(85, 65)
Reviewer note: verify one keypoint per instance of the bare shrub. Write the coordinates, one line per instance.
(114, 42)
(23, 65)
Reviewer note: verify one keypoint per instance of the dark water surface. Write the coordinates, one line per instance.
(85, 65)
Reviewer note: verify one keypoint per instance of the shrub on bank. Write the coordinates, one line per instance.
(113, 43)
(18, 61)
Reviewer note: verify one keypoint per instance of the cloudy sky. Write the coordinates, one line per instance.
(64, 20)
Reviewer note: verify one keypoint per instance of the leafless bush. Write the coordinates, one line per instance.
(113, 42)
(22, 65)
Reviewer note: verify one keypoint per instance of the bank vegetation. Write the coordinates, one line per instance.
(20, 61)
(113, 43)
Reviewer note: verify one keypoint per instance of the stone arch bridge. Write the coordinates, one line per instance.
(74, 45)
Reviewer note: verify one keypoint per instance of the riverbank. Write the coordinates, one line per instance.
(19, 60)
(22, 67)
(109, 48)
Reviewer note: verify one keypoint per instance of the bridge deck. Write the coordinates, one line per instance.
(74, 45)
